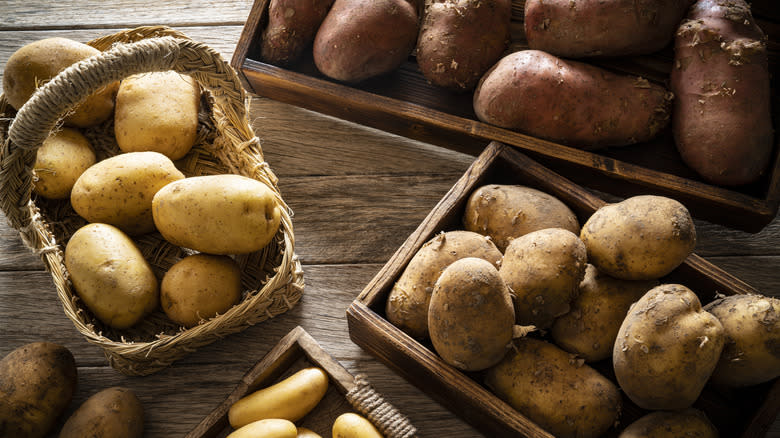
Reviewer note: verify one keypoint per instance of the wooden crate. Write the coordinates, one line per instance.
(746, 413)
(404, 103)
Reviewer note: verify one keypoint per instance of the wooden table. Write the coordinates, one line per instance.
(357, 193)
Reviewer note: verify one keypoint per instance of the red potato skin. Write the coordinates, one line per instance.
(721, 119)
(570, 102)
(584, 28)
(291, 27)
(461, 39)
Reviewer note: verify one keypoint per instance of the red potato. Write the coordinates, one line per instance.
(291, 27)
(721, 118)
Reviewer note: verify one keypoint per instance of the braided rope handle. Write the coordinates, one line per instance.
(390, 422)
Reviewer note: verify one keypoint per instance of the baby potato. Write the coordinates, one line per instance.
(505, 212)
(61, 159)
(268, 428)
(408, 302)
(667, 348)
(689, 423)
(640, 238)
(111, 413)
(351, 425)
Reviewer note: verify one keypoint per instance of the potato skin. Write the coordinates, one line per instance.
(351, 425)
(409, 300)
(721, 120)
(561, 395)
(113, 412)
(643, 237)
(690, 423)
(37, 382)
(267, 428)
(461, 39)
(667, 348)
(751, 354)
(505, 212)
(570, 102)
(60, 161)
(291, 27)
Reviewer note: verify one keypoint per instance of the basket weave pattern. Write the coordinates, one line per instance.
(272, 278)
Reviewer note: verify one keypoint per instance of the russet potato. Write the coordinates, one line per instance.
(688, 423)
(114, 412)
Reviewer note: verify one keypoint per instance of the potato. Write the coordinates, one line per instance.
(199, 287)
(690, 423)
(351, 425)
(544, 269)
(576, 29)
(110, 275)
(157, 111)
(290, 399)
(471, 318)
(37, 382)
(217, 214)
(554, 390)
(721, 120)
(644, 237)
(291, 27)
(119, 190)
(751, 354)
(307, 433)
(666, 348)
(505, 212)
(461, 39)
(34, 64)
(268, 428)
(113, 412)
(408, 301)
(358, 40)
(591, 326)
(570, 102)
(60, 160)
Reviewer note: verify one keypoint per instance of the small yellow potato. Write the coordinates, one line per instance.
(555, 390)
(290, 399)
(351, 425)
(267, 428)
(217, 214)
(640, 238)
(688, 423)
(119, 190)
(37, 383)
(471, 317)
(199, 287)
(408, 302)
(157, 111)
(114, 412)
(544, 269)
(60, 161)
(110, 275)
(307, 433)
(667, 348)
(751, 354)
(591, 326)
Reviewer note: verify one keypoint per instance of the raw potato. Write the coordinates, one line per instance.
(643, 237)
(111, 413)
(110, 275)
(583, 28)
(554, 390)
(471, 318)
(408, 302)
(591, 326)
(37, 382)
(291, 27)
(570, 102)
(290, 399)
(119, 190)
(60, 160)
(544, 269)
(34, 64)
(721, 120)
(689, 423)
(217, 214)
(307, 433)
(505, 212)
(157, 111)
(351, 425)
(268, 428)
(752, 351)
(199, 287)
(362, 39)
(461, 39)
(667, 348)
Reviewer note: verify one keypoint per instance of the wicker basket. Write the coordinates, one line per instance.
(272, 278)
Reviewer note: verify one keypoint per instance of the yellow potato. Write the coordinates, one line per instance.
(290, 399)
(307, 433)
(114, 412)
(268, 428)
(157, 111)
(60, 161)
(688, 423)
(351, 425)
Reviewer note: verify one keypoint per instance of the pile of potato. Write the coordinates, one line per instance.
(139, 191)
(527, 299)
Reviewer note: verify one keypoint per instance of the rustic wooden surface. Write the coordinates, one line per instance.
(357, 193)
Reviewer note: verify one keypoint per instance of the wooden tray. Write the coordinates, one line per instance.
(746, 413)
